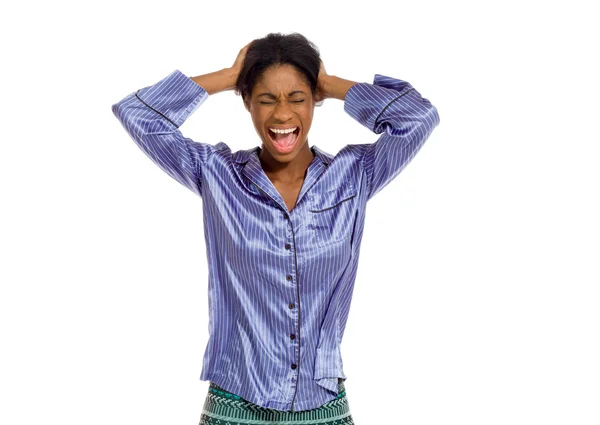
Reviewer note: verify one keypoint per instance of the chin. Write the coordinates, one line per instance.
(282, 157)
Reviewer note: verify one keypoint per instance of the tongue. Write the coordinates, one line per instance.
(284, 139)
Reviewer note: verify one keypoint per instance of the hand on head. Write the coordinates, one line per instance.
(320, 96)
(239, 61)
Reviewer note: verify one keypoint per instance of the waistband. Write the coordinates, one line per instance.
(224, 406)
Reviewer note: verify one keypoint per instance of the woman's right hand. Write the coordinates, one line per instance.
(224, 79)
(239, 61)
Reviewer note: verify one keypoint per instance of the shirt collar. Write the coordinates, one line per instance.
(243, 156)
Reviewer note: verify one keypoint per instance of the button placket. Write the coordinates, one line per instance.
(295, 337)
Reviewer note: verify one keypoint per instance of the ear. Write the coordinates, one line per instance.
(246, 105)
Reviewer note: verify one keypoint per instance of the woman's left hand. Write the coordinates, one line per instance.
(321, 95)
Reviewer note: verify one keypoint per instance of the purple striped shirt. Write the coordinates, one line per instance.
(280, 282)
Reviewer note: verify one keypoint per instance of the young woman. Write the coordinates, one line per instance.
(283, 221)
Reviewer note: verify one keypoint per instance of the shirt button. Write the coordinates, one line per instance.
(293, 336)
(293, 365)
(287, 246)
(288, 277)
(292, 305)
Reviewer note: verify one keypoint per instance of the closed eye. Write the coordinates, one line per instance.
(272, 103)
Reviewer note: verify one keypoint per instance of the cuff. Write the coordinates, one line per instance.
(174, 97)
(366, 102)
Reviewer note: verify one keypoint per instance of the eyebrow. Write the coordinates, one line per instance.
(271, 95)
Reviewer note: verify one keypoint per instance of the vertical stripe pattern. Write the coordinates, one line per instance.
(280, 282)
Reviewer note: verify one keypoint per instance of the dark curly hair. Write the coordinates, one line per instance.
(278, 49)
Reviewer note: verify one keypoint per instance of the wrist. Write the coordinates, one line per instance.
(336, 87)
(230, 75)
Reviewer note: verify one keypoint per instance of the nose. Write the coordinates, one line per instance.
(283, 111)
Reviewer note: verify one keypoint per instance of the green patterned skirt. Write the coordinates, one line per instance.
(222, 407)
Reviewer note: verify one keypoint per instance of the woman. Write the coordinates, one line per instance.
(283, 222)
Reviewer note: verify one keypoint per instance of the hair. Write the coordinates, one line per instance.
(278, 49)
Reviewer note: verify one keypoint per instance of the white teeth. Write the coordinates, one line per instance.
(290, 130)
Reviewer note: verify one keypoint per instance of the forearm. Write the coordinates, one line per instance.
(217, 81)
(336, 87)
(152, 116)
(404, 119)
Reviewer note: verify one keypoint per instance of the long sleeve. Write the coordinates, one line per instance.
(152, 117)
(392, 107)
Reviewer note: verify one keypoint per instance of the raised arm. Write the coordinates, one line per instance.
(152, 117)
(392, 108)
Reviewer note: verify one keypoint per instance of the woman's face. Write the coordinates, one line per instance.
(281, 99)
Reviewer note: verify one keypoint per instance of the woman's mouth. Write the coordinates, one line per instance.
(284, 141)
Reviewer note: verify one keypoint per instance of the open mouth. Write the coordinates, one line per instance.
(284, 142)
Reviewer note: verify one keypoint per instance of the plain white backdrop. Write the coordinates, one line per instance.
(476, 300)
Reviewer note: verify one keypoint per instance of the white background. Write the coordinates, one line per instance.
(477, 295)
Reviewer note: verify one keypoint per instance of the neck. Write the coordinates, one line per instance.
(287, 172)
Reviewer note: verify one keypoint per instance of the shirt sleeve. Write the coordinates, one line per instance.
(394, 109)
(152, 117)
